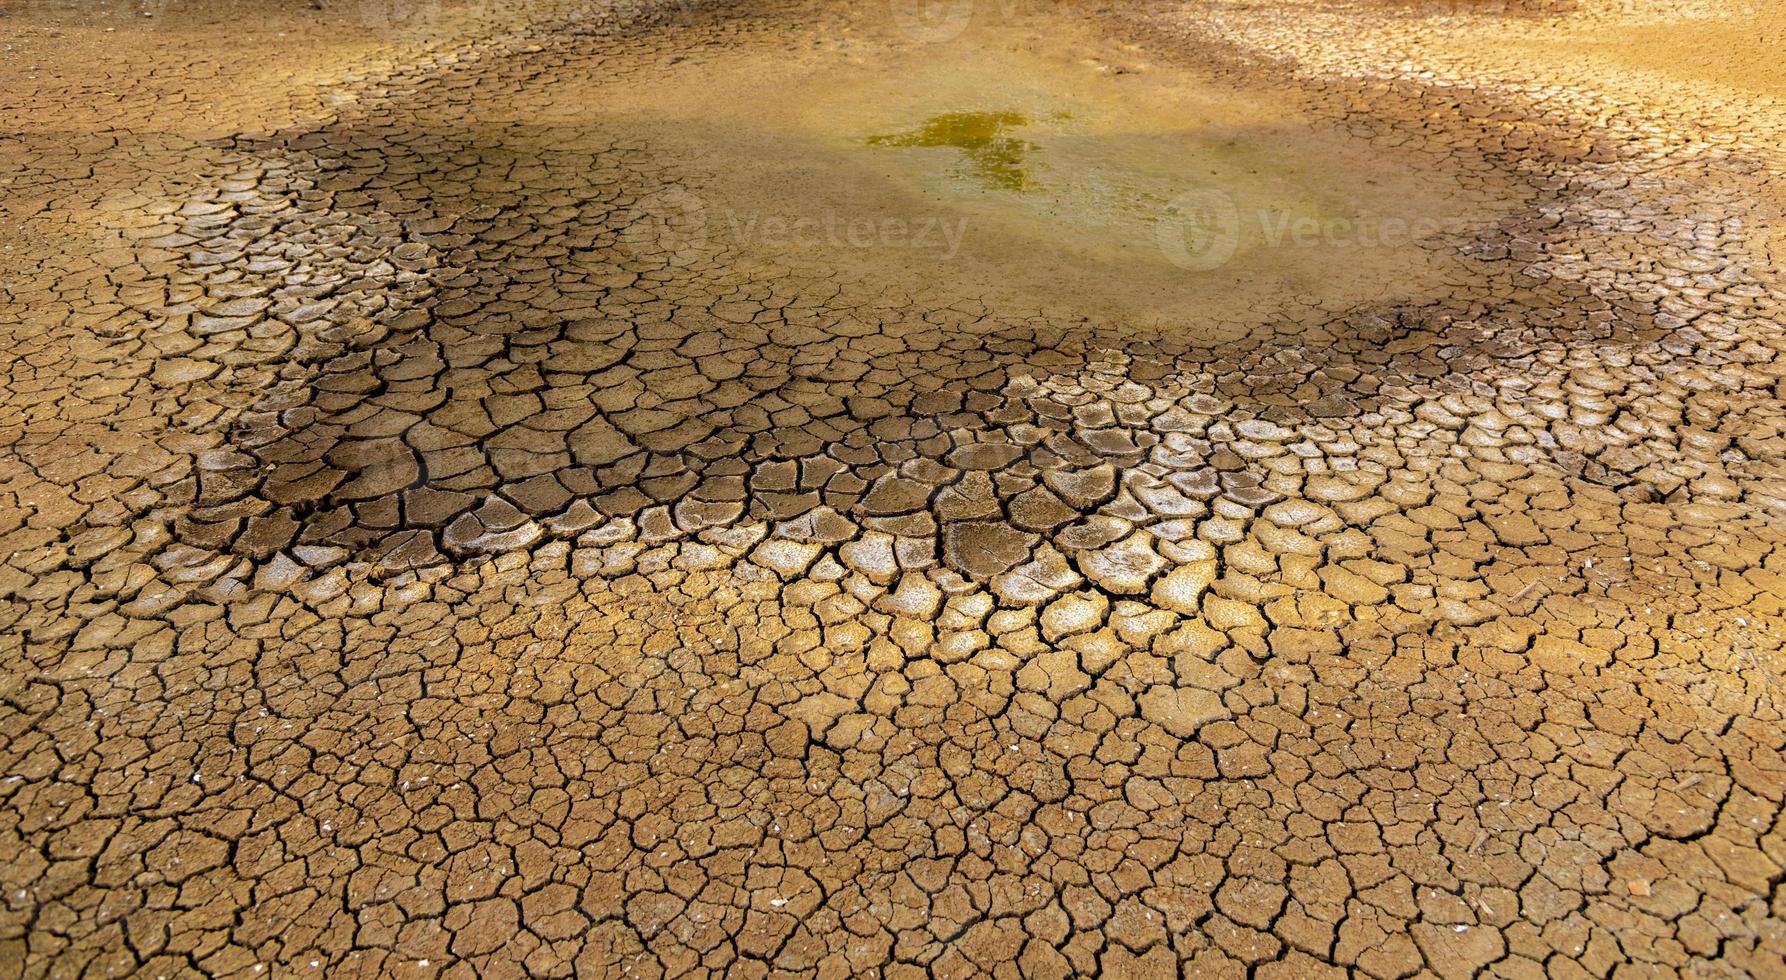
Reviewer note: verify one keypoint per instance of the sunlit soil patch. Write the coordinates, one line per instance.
(1071, 175)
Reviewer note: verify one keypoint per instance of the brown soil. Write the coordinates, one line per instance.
(1277, 489)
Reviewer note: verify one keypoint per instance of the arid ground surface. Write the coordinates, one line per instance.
(610, 487)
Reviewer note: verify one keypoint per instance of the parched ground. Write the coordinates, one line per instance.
(436, 537)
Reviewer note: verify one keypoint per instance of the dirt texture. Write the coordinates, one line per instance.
(502, 489)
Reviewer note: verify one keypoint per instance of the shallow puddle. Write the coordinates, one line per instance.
(1042, 166)
(994, 158)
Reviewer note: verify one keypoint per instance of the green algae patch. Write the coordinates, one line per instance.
(995, 159)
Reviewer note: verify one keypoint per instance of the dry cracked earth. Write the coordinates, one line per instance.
(428, 546)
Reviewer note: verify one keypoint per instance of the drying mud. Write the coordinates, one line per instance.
(621, 488)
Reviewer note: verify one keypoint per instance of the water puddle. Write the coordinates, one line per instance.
(995, 159)
(1011, 168)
